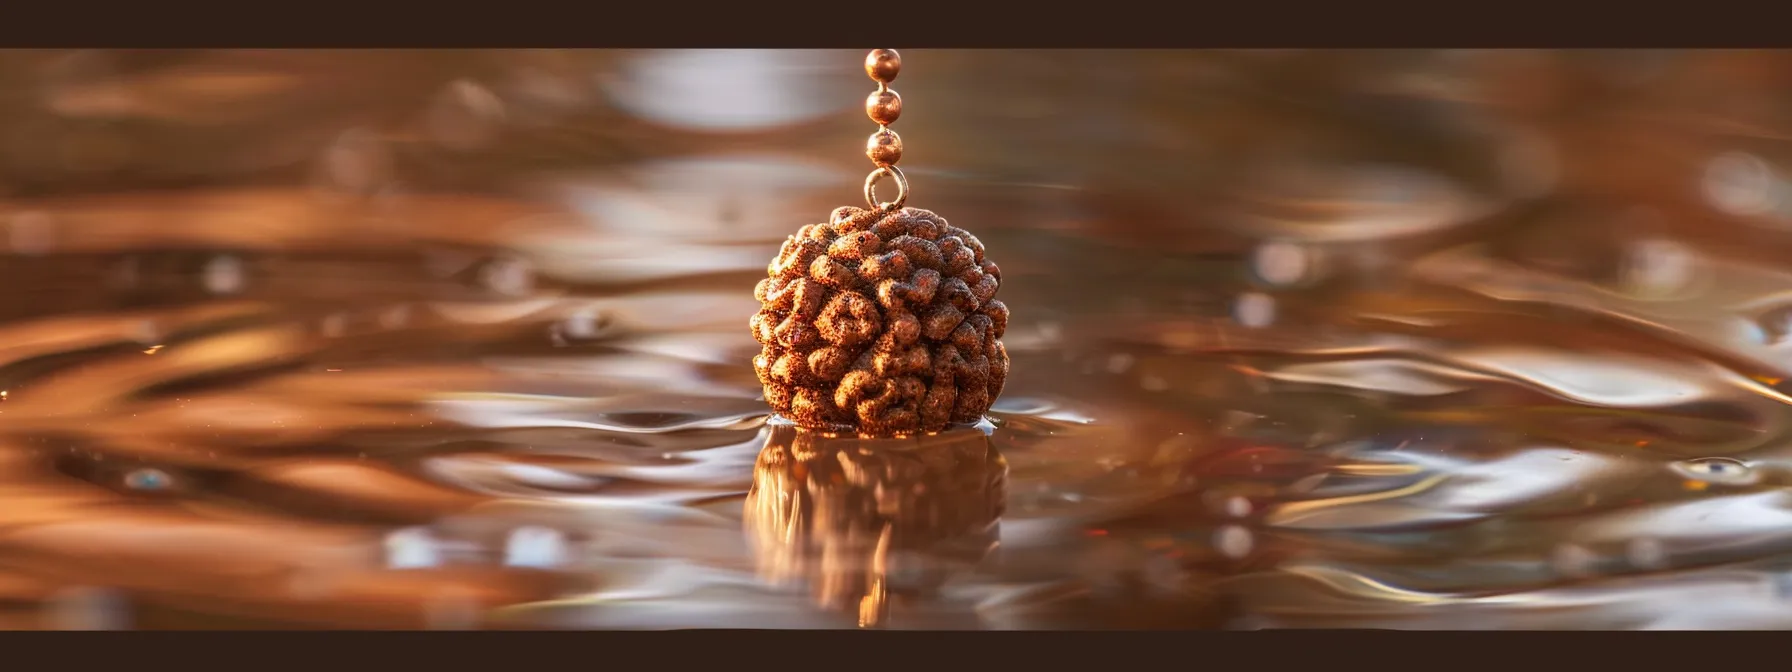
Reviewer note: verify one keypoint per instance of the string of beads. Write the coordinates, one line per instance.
(884, 147)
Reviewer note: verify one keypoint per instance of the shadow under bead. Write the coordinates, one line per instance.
(883, 324)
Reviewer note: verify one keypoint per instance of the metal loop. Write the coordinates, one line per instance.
(871, 189)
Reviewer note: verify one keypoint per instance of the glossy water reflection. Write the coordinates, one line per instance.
(865, 520)
(1300, 339)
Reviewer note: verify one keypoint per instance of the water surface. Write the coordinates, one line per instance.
(459, 340)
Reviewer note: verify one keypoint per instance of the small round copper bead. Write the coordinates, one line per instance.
(883, 106)
(883, 64)
(884, 147)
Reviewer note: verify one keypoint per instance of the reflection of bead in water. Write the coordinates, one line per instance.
(147, 480)
(1255, 310)
(223, 274)
(1281, 263)
(1234, 541)
(1740, 184)
(535, 547)
(411, 548)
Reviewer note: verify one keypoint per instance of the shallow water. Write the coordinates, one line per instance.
(458, 340)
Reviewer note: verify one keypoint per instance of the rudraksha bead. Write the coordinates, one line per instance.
(883, 324)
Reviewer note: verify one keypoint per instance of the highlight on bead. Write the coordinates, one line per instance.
(883, 323)
(884, 147)
(884, 106)
(883, 65)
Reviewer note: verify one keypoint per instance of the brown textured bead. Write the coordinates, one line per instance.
(884, 324)
(884, 107)
(883, 65)
(884, 147)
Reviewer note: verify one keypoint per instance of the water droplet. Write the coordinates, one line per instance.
(1255, 310)
(535, 547)
(412, 548)
(1281, 263)
(1718, 470)
(1741, 184)
(1234, 541)
(224, 274)
(149, 480)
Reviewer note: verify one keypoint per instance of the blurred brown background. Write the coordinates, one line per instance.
(399, 339)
